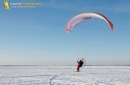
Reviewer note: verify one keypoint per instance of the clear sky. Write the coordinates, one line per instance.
(36, 36)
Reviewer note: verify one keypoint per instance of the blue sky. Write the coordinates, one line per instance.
(36, 36)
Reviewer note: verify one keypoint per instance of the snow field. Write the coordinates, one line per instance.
(64, 75)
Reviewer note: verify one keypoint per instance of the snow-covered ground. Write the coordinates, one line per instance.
(64, 75)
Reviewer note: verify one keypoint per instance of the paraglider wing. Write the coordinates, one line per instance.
(86, 16)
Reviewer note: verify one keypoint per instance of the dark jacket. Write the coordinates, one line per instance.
(81, 63)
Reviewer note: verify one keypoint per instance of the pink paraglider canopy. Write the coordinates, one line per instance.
(86, 16)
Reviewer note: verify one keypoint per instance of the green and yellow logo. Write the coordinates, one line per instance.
(11, 5)
(6, 5)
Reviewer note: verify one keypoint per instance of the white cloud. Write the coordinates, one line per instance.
(89, 6)
(124, 7)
